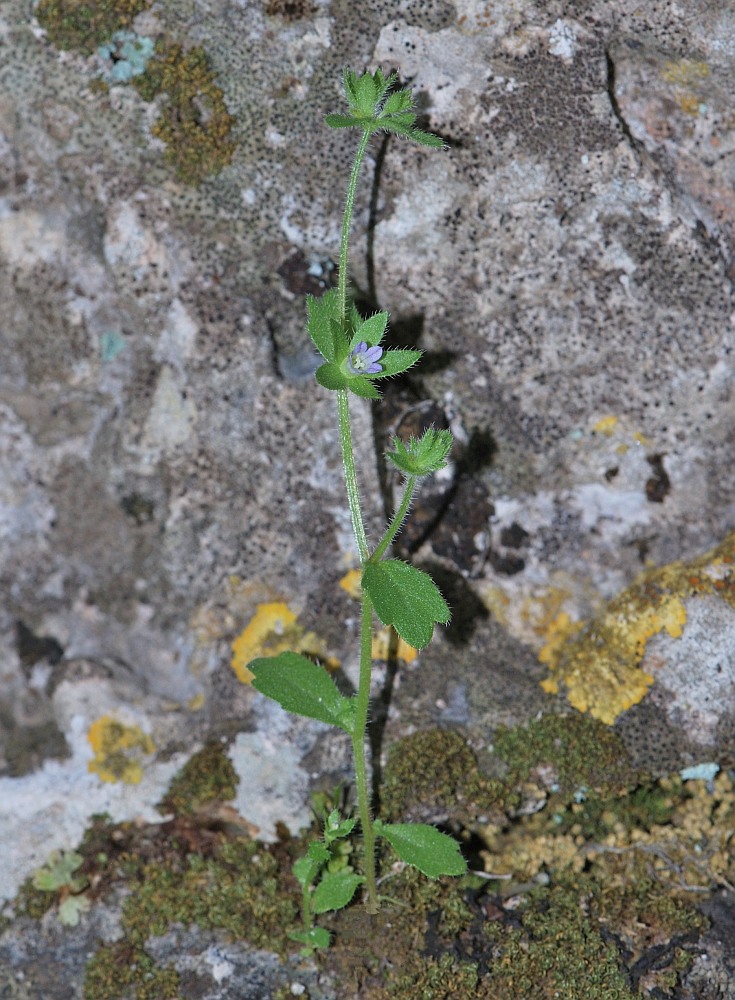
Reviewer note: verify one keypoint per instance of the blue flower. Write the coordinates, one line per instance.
(364, 360)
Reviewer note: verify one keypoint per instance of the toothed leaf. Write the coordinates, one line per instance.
(303, 687)
(395, 362)
(423, 846)
(335, 890)
(406, 598)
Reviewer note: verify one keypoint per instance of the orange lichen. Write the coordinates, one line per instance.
(599, 662)
(117, 750)
(274, 630)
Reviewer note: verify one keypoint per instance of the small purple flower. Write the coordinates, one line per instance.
(364, 360)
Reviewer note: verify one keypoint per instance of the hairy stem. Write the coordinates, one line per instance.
(348, 460)
(346, 221)
(398, 519)
(306, 908)
(358, 750)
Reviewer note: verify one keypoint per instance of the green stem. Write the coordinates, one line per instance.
(358, 528)
(306, 908)
(358, 750)
(346, 220)
(348, 460)
(398, 519)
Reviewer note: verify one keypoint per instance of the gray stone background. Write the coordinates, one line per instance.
(167, 463)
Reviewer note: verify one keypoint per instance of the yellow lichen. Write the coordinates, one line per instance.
(117, 750)
(387, 645)
(599, 662)
(606, 425)
(350, 583)
(274, 630)
(685, 72)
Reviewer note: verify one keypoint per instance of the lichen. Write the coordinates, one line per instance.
(599, 662)
(208, 776)
(194, 122)
(273, 630)
(71, 24)
(118, 750)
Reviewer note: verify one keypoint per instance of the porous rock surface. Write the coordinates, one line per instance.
(167, 463)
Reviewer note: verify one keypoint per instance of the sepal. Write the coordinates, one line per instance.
(421, 456)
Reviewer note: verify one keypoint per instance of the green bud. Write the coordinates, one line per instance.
(424, 455)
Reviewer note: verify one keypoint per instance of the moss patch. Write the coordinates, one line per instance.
(598, 899)
(208, 776)
(71, 24)
(117, 968)
(194, 122)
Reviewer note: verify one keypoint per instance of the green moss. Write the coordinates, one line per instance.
(33, 902)
(595, 817)
(437, 979)
(117, 968)
(208, 776)
(433, 769)
(72, 24)
(558, 951)
(194, 122)
(239, 890)
(583, 753)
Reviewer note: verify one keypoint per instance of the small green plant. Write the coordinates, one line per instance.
(57, 876)
(398, 593)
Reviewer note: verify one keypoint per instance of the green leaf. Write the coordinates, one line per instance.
(406, 598)
(71, 910)
(395, 362)
(400, 100)
(57, 872)
(335, 891)
(370, 330)
(306, 869)
(303, 687)
(316, 937)
(344, 121)
(361, 385)
(318, 851)
(331, 376)
(337, 828)
(350, 86)
(415, 134)
(323, 324)
(426, 848)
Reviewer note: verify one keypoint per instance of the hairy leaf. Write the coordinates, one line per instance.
(395, 362)
(303, 687)
(335, 891)
(323, 324)
(406, 598)
(426, 848)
